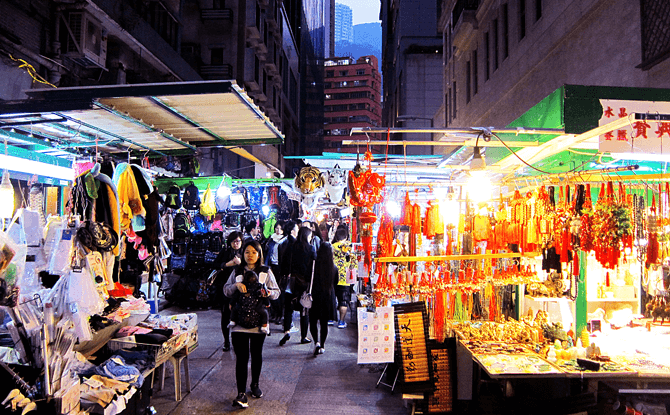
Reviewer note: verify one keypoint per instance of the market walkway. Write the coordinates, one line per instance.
(293, 381)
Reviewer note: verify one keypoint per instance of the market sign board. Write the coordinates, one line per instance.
(641, 135)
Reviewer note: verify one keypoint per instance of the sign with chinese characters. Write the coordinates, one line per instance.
(376, 335)
(639, 135)
(411, 321)
(442, 358)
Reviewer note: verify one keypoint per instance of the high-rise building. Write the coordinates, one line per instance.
(353, 97)
(344, 27)
(503, 58)
(314, 44)
(412, 67)
(273, 49)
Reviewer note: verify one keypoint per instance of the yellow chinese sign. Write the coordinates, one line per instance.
(412, 340)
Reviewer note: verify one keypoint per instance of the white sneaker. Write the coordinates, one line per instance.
(265, 329)
(232, 324)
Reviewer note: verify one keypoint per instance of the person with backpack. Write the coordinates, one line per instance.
(248, 342)
(250, 309)
(229, 258)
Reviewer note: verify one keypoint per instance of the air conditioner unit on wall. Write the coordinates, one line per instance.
(86, 40)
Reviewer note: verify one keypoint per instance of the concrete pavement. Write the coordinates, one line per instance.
(293, 380)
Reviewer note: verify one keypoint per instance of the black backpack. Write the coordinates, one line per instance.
(172, 198)
(191, 199)
(246, 308)
(181, 225)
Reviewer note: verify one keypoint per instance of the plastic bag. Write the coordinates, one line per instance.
(7, 252)
(60, 245)
(82, 292)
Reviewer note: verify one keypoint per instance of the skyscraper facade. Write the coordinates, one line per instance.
(344, 28)
(353, 97)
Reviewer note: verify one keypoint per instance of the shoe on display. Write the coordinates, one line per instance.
(256, 392)
(241, 401)
(341, 324)
(284, 339)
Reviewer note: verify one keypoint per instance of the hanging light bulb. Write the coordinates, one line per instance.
(6, 197)
(479, 185)
(450, 208)
(393, 209)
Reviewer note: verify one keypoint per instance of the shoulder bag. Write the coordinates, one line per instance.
(306, 298)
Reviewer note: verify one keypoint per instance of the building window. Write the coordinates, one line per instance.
(330, 74)
(538, 9)
(505, 32)
(522, 19)
(655, 40)
(468, 81)
(342, 84)
(446, 109)
(343, 73)
(360, 71)
(360, 83)
(495, 44)
(265, 83)
(257, 70)
(475, 67)
(216, 56)
(326, 84)
(258, 17)
(453, 103)
(487, 57)
(218, 4)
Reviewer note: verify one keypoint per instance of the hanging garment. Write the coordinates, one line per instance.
(273, 196)
(130, 199)
(269, 224)
(255, 194)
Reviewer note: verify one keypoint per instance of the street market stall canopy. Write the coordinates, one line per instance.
(575, 128)
(165, 118)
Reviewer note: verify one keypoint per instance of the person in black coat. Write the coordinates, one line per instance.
(325, 278)
(229, 258)
(300, 257)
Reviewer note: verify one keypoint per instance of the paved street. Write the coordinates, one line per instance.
(293, 381)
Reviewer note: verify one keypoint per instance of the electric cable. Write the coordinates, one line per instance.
(535, 168)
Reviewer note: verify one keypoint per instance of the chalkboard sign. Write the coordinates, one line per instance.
(411, 326)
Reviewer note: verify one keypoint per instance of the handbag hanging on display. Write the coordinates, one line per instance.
(306, 298)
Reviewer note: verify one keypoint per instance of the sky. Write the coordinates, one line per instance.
(364, 11)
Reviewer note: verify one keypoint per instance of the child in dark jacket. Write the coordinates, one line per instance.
(255, 300)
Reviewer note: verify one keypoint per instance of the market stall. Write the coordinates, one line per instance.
(80, 267)
(555, 271)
